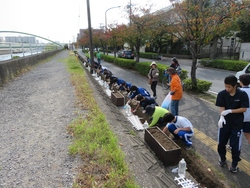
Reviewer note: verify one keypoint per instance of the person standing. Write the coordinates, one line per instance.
(175, 90)
(99, 55)
(232, 102)
(244, 83)
(153, 75)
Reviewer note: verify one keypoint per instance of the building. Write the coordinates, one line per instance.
(21, 39)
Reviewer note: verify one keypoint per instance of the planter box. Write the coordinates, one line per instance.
(118, 99)
(165, 149)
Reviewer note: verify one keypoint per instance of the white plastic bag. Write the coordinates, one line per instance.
(166, 102)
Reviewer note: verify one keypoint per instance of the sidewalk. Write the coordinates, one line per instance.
(204, 117)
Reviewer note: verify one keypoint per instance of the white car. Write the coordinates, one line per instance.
(246, 70)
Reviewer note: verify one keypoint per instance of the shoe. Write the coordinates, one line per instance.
(155, 96)
(222, 163)
(234, 170)
(189, 147)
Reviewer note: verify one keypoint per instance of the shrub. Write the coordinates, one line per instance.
(15, 57)
(128, 63)
(150, 55)
(202, 85)
(232, 65)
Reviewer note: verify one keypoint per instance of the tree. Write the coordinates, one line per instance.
(198, 22)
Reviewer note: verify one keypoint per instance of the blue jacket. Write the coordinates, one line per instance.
(141, 91)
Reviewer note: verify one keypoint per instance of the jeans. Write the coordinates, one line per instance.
(174, 107)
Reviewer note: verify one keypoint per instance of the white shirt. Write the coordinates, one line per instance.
(182, 122)
(247, 113)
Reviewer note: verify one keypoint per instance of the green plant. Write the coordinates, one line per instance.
(202, 85)
(233, 65)
(94, 140)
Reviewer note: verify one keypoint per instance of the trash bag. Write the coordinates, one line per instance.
(166, 102)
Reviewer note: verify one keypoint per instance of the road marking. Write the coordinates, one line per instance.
(243, 164)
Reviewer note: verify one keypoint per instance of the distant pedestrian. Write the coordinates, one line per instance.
(99, 55)
(175, 90)
(156, 114)
(153, 76)
(180, 127)
(245, 82)
(144, 102)
(233, 102)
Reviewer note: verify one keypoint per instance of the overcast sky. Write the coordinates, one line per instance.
(60, 20)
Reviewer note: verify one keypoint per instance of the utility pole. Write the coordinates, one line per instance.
(90, 38)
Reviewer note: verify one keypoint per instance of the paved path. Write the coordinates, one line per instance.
(204, 117)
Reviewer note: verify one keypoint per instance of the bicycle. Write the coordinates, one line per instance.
(165, 81)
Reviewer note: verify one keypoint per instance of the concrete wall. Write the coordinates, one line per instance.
(245, 51)
(11, 68)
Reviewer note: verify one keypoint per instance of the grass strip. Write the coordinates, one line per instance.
(104, 162)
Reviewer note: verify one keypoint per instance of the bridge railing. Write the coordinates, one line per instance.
(11, 49)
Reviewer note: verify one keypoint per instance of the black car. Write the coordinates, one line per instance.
(126, 54)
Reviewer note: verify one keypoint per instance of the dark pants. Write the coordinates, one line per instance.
(235, 139)
(153, 87)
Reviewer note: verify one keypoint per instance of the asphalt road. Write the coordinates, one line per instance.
(216, 76)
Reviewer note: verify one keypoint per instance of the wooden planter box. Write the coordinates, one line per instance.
(165, 149)
(118, 99)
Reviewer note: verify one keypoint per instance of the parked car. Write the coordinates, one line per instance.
(126, 54)
(246, 70)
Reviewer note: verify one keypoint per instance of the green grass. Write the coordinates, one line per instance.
(93, 139)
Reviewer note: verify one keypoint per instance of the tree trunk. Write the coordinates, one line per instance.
(194, 52)
(213, 52)
(137, 48)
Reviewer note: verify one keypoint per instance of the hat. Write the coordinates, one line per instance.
(171, 70)
(153, 63)
(150, 110)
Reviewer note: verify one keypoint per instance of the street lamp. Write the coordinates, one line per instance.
(106, 15)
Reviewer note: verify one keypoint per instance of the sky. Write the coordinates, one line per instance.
(61, 20)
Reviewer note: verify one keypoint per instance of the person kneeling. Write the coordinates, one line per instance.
(180, 127)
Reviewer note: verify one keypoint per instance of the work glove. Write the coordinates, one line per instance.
(221, 121)
(172, 92)
(225, 112)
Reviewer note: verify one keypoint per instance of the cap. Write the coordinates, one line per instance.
(150, 110)
(153, 63)
(171, 70)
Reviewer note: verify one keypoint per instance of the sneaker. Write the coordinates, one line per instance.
(188, 147)
(222, 163)
(155, 96)
(234, 170)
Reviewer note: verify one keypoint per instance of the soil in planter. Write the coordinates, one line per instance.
(162, 139)
(195, 165)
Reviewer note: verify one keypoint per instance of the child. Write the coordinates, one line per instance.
(180, 127)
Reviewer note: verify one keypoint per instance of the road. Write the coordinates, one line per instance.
(216, 76)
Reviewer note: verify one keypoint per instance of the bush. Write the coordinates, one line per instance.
(202, 85)
(128, 63)
(150, 55)
(232, 65)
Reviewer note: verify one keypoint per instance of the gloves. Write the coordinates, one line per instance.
(225, 112)
(172, 92)
(221, 121)
(134, 111)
